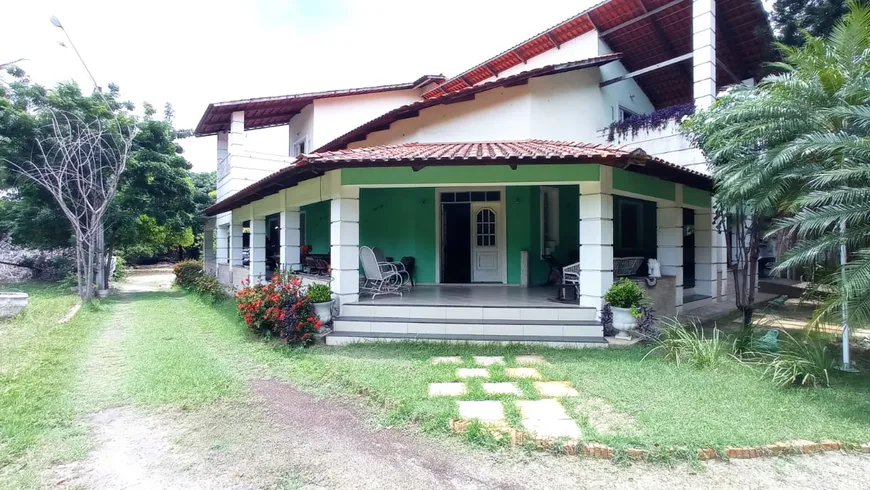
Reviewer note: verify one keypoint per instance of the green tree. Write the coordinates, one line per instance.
(817, 17)
(796, 149)
(156, 189)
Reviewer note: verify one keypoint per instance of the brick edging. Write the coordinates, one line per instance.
(601, 451)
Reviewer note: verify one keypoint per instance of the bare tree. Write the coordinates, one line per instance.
(80, 164)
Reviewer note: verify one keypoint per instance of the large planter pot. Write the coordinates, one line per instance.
(324, 311)
(11, 304)
(623, 321)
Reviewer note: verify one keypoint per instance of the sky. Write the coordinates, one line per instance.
(192, 52)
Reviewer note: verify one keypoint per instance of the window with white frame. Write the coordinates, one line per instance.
(549, 220)
(626, 114)
(299, 147)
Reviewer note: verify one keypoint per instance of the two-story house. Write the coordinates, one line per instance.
(495, 180)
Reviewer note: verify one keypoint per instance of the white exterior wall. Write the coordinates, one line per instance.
(580, 48)
(496, 115)
(626, 93)
(666, 143)
(336, 116)
(301, 126)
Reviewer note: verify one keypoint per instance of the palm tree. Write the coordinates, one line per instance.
(794, 152)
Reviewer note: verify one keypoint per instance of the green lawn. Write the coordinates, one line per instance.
(176, 351)
(656, 402)
(39, 367)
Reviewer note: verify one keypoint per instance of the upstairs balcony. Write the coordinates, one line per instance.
(658, 134)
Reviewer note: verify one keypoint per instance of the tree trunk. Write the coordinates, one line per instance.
(747, 317)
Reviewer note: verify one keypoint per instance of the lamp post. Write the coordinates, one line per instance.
(56, 22)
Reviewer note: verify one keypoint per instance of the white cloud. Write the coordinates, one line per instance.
(192, 52)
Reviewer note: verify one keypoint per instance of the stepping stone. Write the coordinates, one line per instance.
(489, 411)
(447, 389)
(553, 429)
(555, 389)
(502, 389)
(488, 360)
(547, 409)
(472, 373)
(447, 360)
(529, 360)
(522, 373)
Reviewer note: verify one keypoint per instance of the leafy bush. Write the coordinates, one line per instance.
(120, 272)
(187, 272)
(279, 309)
(799, 362)
(624, 293)
(319, 293)
(679, 343)
(209, 287)
(300, 322)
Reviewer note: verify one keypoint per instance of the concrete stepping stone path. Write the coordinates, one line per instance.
(555, 389)
(447, 360)
(447, 389)
(522, 372)
(489, 411)
(488, 360)
(529, 360)
(472, 373)
(502, 389)
(547, 418)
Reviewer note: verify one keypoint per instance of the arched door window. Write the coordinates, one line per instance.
(485, 228)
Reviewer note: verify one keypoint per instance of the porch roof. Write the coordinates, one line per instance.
(420, 155)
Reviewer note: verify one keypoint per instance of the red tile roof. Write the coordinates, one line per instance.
(412, 110)
(647, 32)
(420, 155)
(263, 112)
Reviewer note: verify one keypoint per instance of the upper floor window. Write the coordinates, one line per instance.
(299, 147)
(626, 114)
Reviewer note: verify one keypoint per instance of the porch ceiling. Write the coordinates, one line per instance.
(421, 155)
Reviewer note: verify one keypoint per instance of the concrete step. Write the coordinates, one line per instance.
(347, 337)
(450, 328)
(470, 313)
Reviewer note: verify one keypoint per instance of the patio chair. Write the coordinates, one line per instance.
(571, 275)
(378, 279)
(396, 266)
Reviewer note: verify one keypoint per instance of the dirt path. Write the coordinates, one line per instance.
(283, 438)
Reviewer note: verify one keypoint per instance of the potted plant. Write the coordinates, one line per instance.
(321, 298)
(625, 298)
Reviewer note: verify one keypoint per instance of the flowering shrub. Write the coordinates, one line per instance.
(655, 120)
(279, 309)
(187, 272)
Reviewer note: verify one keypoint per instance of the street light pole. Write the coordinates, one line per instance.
(847, 363)
(56, 22)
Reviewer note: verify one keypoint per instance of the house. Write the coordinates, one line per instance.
(495, 177)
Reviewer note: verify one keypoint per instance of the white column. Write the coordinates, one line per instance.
(669, 240)
(257, 252)
(704, 52)
(235, 245)
(596, 239)
(706, 254)
(223, 249)
(223, 155)
(344, 245)
(208, 242)
(236, 138)
(290, 239)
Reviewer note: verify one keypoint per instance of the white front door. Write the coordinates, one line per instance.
(485, 260)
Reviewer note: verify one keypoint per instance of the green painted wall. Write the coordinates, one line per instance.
(524, 232)
(317, 227)
(636, 183)
(483, 174)
(696, 197)
(401, 222)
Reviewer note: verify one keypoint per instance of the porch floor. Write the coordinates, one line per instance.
(472, 296)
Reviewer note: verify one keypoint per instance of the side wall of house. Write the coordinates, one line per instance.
(338, 115)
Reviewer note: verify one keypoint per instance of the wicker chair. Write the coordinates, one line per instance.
(378, 279)
(571, 275)
(396, 266)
